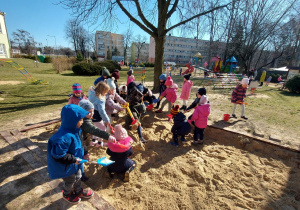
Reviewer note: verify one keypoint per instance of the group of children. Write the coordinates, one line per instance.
(93, 115)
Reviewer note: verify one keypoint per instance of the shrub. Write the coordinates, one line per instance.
(293, 84)
(275, 78)
(79, 56)
(149, 64)
(48, 59)
(84, 68)
(63, 64)
(32, 57)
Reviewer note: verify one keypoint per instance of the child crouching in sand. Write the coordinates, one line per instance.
(120, 153)
(181, 126)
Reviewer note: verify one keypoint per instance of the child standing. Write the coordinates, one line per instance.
(181, 126)
(162, 87)
(186, 90)
(170, 94)
(130, 77)
(116, 75)
(120, 153)
(97, 96)
(200, 117)
(268, 80)
(238, 95)
(65, 151)
(77, 94)
(104, 75)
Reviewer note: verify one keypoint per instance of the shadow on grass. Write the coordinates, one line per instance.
(30, 105)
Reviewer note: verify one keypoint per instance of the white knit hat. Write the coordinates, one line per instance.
(111, 83)
(245, 81)
(120, 132)
(203, 99)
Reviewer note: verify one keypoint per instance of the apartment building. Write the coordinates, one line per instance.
(4, 41)
(180, 50)
(106, 40)
(139, 51)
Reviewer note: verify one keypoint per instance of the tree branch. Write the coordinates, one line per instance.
(141, 15)
(173, 9)
(271, 60)
(147, 30)
(198, 15)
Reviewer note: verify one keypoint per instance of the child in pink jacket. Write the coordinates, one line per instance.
(77, 95)
(200, 116)
(170, 94)
(130, 77)
(186, 90)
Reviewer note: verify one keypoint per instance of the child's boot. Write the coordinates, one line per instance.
(182, 139)
(85, 193)
(143, 140)
(72, 197)
(126, 176)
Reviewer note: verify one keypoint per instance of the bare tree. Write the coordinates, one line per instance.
(24, 41)
(139, 43)
(78, 36)
(143, 13)
(127, 40)
(255, 24)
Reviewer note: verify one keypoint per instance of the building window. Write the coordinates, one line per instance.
(0, 29)
(2, 49)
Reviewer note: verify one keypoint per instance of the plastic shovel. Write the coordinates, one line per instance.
(101, 161)
(128, 110)
(111, 128)
(242, 103)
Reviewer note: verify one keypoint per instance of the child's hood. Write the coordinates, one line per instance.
(189, 82)
(70, 115)
(180, 117)
(174, 86)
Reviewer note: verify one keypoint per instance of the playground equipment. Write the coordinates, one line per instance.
(140, 73)
(190, 68)
(224, 80)
(24, 72)
(216, 63)
(230, 65)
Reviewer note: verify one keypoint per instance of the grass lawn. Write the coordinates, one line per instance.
(277, 108)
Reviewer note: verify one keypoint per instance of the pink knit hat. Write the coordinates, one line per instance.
(120, 132)
(169, 81)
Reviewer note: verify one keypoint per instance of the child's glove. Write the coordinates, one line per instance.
(112, 139)
(86, 157)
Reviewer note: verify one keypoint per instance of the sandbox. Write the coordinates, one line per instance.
(230, 171)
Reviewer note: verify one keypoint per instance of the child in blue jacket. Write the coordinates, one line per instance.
(65, 151)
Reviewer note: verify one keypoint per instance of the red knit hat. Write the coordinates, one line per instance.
(169, 81)
(175, 110)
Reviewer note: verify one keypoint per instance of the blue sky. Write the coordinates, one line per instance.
(42, 17)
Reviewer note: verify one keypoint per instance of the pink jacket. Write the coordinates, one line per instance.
(75, 100)
(116, 147)
(130, 79)
(110, 105)
(186, 90)
(170, 94)
(200, 115)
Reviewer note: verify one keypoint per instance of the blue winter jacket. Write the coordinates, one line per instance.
(66, 141)
(99, 79)
(181, 125)
(99, 105)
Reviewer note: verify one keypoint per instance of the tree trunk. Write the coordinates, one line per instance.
(159, 58)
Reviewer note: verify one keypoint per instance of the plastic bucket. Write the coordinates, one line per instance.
(226, 117)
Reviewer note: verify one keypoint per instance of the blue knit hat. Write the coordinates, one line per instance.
(163, 77)
(76, 88)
